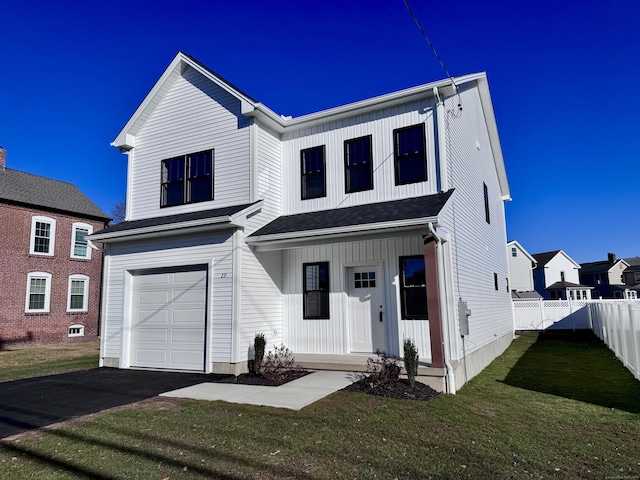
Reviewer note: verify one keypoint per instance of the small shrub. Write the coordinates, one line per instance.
(383, 371)
(280, 365)
(411, 361)
(259, 344)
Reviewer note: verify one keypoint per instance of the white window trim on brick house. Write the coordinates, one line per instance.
(52, 235)
(47, 292)
(85, 293)
(76, 227)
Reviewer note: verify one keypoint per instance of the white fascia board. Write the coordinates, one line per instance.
(216, 223)
(340, 231)
(494, 139)
(159, 90)
(280, 124)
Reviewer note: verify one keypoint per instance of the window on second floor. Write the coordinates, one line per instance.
(487, 213)
(562, 276)
(514, 252)
(79, 244)
(410, 154)
(312, 168)
(187, 179)
(358, 164)
(636, 277)
(43, 236)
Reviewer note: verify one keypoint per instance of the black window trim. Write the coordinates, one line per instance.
(487, 213)
(347, 167)
(305, 315)
(303, 189)
(186, 180)
(403, 308)
(396, 157)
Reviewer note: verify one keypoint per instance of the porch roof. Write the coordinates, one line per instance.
(405, 213)
(568, 285)
(216, 218)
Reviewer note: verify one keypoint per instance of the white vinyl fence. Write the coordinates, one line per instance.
(615, 322)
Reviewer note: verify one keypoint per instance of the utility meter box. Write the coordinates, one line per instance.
(463, 317)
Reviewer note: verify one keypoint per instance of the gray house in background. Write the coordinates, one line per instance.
(521, 266)
(607, 278)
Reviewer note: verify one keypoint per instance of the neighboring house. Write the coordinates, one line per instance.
(607, 278)
(521, 265)
(632, 274)
(337, 233)
(556, 277)
(49, 276)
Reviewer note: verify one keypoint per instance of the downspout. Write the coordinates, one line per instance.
(451, 383)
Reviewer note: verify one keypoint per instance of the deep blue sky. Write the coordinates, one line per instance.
(563, 74)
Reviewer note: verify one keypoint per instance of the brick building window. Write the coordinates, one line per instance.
(43, 236)
(79, 244)
(38, 292)
(78, 298)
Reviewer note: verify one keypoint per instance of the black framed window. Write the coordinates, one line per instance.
(312, 167)
(413, 288)
(187, 179)
(410, 154)
(316, 290)
(487, 215)
(495, 281)
(358, 164)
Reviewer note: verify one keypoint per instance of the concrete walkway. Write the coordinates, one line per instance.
(293, 395)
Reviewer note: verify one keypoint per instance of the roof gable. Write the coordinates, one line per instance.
(544, 258)
(46, 193)
(514, 243)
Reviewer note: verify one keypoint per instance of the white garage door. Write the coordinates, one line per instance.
(169, 317)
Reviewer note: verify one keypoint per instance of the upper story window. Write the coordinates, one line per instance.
(38, 292)
(514, 252)
(413, 288)
(312, 166)
(187, 179)
(410, 154)
(358, 164)
(79, 244)
(78, 297)
(43, 236)
(562, 276)
(316, 290)
(487, 214)
(636, 277)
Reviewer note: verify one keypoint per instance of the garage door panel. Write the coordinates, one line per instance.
(189, 296)
(162, 297)
(154, 335)
(169, 313)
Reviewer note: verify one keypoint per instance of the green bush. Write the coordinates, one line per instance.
(259, 344)
(411, 360)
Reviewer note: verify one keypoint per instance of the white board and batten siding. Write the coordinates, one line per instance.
(195, 115)
(478, 248)
(332, 336)
(556, 266)
(213, 252)
(332, 135)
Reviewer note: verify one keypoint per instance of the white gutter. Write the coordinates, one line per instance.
(451, 381)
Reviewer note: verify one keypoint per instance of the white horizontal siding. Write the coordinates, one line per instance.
(520, 271)
(194, 115)
(478, 248)
(195, 250)
(380, 126)
(332, 336)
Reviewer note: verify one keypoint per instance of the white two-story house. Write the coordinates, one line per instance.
(337, 233)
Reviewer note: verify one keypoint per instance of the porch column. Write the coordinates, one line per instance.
(433, 301)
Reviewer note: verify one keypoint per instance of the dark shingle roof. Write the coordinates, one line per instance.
(173, 219)
(543, 258)
(596, 267)
(405, 209)
(528, 295)
(632, 261)
(28, 189)
(559, 285)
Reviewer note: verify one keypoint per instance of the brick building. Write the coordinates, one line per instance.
(50, 275)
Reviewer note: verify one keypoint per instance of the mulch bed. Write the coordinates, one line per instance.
(257, 379)
(399, 390)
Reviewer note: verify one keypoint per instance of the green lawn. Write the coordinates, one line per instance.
(554, 406)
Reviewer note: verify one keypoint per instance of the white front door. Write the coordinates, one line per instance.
(366, 310)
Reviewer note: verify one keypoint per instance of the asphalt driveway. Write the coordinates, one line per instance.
(36, 402)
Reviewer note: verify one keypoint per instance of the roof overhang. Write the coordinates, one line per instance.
(341, 234)
(232, 221)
